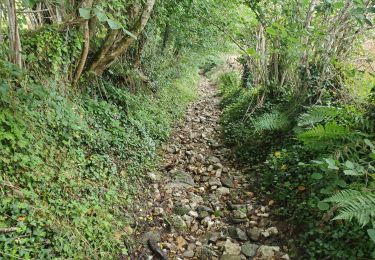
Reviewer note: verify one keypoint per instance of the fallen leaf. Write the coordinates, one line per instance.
(21, 218)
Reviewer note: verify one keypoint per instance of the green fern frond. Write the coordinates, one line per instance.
(271, 122)
(321, 136)
(316, 115)
(355, 205)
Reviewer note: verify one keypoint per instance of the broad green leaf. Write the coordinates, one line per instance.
(113, 24)
(349, 165)
(371, 233)
(316, 176)
(85, 13)
(369, 143)
(352, 173)
(102, 17)
(323, 205)
(331, 164)
(342, 184)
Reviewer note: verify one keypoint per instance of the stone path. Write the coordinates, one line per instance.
(202, 205)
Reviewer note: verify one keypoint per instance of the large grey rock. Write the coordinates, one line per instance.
(214, 182)
(231, 248)
(222, 191)
(268, 251)
(183, 177)
(178, 223)
(254, 233)
(151, 235)
(237, 233)
(227, 182)
(249, 249)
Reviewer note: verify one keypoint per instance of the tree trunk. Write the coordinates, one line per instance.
(1, 23)
(110, 51)
(86, 45)
(14, 36)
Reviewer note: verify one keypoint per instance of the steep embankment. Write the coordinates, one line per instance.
(202, 207)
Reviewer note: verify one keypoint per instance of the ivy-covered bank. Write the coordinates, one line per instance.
(71, 163)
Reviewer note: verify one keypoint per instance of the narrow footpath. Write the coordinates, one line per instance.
(203, 207)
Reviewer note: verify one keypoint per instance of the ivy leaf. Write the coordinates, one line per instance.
(352, 173)
(349, 165)
(316, 176)
(102, 17)
(369, 143)
(113, 24)
(323, 205)
(85, 13)
(371, 233)
(331, 164)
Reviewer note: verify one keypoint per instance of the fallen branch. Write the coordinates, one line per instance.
(8, 230)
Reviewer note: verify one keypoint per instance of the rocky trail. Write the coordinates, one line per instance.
(202, 205)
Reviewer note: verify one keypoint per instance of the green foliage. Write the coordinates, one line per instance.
(329, 150)
(317, 114)
(322, 137)
(270, 122)
(50, 51)
(355, 205)
(70, 164)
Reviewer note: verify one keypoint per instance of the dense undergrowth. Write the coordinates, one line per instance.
(303, 164)
(71, 162)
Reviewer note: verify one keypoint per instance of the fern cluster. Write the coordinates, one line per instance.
(270, 122)
(317, 114)
(324, 136)
(355, 205)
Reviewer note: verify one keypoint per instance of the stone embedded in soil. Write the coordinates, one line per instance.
(230, 257)
(178, 223)
(203, 214)
(239, 214)
(237, 233)
(249, 249)
(270, 231)
(188, 254)
(214, 236)
(184, 177)
(214, 182)
(222, 191)
(231, 248)
(151, 235)
(227, 182)
(214, 159)
(254, 233)
(268, 251)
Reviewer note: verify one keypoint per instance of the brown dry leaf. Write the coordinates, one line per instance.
(301, 188)
(21, 218)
